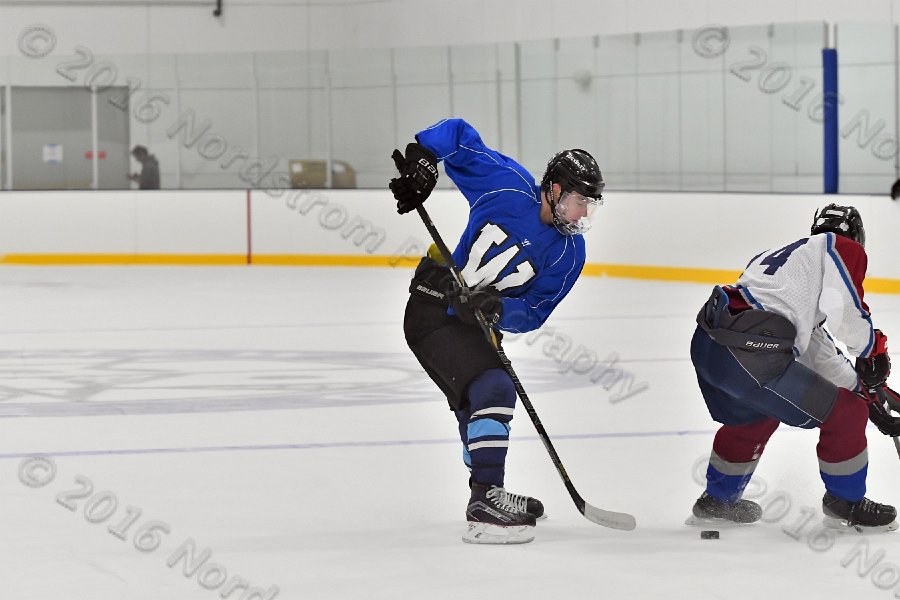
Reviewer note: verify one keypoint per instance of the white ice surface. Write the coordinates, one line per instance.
(275, 417)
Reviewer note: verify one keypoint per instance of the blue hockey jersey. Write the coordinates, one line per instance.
(505, 243)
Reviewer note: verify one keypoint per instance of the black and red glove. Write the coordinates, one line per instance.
(881, 401)
(418, 176)
(874, 370)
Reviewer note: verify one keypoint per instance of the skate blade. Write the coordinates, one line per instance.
(485, 533)
(713, 522)
(842, 525)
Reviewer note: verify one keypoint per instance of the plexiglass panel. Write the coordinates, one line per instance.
(713, 109)
(868, 112)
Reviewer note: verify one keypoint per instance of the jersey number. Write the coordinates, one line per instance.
(777, 259)
(475, 273)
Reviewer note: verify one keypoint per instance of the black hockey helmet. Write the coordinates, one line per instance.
(842, 220)
(575, 171)
(578, 176)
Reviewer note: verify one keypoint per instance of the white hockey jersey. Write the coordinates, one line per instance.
(811, 282)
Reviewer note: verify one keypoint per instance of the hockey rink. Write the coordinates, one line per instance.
(192, 433)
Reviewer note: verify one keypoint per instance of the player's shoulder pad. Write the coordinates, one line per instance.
(849, 250)
(852, 254)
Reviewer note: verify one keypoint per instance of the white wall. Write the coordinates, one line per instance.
(244, 26)
(713, 231)
(268, 25)
(123, 223)
(724, 231)
(416, 22)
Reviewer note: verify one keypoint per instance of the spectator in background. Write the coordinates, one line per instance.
(149, 177)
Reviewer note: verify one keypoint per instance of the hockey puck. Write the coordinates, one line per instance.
(709, 535)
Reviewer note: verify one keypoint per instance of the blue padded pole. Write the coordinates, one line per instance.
(830, 135)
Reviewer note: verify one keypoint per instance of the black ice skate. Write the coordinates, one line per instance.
(523, 503)
(710, 511)
(492, 520)
(862, 515)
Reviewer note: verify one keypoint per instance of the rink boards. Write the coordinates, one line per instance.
(699, 237)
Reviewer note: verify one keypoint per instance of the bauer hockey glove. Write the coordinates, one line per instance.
(874, 370)
(465, 303)
(418, 176)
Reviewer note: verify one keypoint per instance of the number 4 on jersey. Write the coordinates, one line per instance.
(777, 259)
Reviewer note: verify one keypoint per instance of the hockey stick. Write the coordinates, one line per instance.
(615, 520)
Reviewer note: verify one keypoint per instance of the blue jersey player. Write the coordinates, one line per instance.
(520, 254)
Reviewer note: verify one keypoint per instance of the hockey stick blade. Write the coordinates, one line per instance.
(608, 518)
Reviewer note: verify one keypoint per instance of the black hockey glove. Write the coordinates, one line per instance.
(889, 398)
(488, 301)
(878, 413)
(418, 176)
(874, 371)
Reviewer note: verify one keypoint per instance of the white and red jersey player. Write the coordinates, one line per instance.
(798, 289)
(813, 282)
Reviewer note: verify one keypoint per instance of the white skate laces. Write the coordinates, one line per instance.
(516, 502)
(497, 495)
(506, 500)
